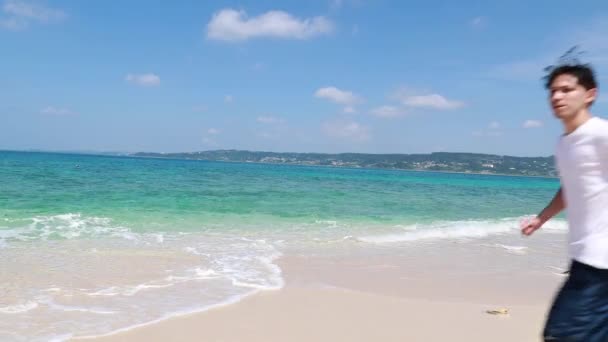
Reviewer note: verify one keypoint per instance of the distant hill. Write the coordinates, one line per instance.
(438, 161)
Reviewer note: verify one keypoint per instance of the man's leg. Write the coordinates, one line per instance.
(580, 310)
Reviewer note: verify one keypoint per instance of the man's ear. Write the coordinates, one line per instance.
(591, 95)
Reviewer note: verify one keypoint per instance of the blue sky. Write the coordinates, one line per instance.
(299, 76)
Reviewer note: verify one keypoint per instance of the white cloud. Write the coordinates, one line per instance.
(350, 109)
(338, 96)
(493, 130)
(478, 22)
(388, 112)
(209, 137)
(145, 80)
(488, 133)
(228, 98)
(343, 97)
(269, 120)
(19, 14)
(271, 127)
(335, 4)
(434, 101)
(532, 124)
(54, 111)
(14, 24)
(232, 25)
(265, 135)
(32, 11)
(209, 142)
(349, 130)
(259, 66)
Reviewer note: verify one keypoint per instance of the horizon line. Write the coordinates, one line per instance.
(95, 152)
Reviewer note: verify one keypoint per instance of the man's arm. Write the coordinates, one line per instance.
(556, 205)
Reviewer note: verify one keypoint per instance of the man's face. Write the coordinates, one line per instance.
(568, 97)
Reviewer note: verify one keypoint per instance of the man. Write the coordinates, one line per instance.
(580, 309)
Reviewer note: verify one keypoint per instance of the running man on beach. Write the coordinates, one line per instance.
(580, 309)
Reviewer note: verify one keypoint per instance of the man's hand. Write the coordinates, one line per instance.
(530, 226)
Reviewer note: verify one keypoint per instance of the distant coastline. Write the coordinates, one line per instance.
(467, 163)
(445, 162)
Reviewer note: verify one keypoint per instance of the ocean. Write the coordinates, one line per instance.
(91, 245)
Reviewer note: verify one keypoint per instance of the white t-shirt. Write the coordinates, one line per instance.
(582, 161)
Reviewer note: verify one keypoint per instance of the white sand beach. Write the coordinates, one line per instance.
(423, 291)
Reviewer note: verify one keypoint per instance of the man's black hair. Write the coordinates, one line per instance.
(569, 64)
(583, 72)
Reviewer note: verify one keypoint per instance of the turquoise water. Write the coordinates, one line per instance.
(153, 194)
(96, 244)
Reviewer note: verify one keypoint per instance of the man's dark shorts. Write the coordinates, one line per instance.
(580, 310)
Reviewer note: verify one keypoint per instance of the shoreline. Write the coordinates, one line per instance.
(363, 296)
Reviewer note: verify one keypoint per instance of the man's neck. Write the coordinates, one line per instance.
(574, 123)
